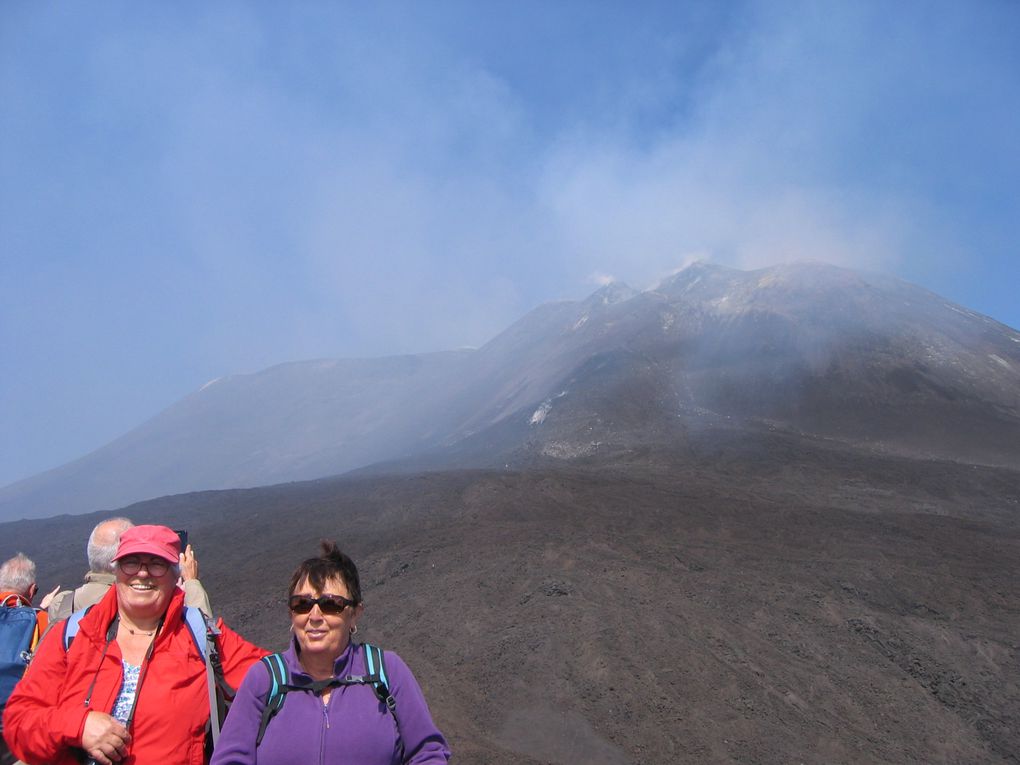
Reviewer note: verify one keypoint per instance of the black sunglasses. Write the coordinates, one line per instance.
(333, 605)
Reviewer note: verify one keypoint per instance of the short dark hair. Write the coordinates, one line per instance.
(331, 564)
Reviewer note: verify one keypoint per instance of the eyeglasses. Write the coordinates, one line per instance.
(333, 605)
(155, 566)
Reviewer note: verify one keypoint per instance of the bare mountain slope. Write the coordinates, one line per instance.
(763, 598)
(805, 348)
(289, 422)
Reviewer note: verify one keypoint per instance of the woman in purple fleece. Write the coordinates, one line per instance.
(325, 718)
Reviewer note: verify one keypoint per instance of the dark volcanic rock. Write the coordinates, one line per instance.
(751, 598)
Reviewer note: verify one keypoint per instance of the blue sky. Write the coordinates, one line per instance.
(193, 189)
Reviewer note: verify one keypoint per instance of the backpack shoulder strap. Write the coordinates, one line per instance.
(36, 632)
(279, 682)
(204, 632)
(201, 631)
(71, 626)
(376, 668)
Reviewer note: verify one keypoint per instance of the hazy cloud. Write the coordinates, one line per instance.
(209, 189)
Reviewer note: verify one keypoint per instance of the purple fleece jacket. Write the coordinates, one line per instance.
(354, 727)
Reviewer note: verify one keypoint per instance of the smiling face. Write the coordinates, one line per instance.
(323, 636)
(144, 595)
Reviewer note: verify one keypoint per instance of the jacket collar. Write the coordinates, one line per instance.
(95, 623)
(342, 667)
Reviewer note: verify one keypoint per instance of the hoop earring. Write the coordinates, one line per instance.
(354, 629)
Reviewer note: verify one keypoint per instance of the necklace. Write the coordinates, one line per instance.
(139, 632)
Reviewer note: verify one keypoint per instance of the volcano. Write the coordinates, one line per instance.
(861, 359)
(745, 517)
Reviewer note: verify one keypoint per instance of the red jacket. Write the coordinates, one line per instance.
(45, 716)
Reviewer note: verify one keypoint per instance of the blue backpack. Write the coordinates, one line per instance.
(19, 635)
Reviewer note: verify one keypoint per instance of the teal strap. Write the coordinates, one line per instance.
(374, 663)
(376, 666)
(277, 673)
(278, 687)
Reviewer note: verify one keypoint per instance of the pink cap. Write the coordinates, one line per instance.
(154, 540)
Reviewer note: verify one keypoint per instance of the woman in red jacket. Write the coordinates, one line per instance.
(132, 686)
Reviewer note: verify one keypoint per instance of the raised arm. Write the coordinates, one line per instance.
(194, 593)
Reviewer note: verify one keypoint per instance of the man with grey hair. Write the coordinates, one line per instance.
(21, 627)
(17, 580)
(102, 546)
